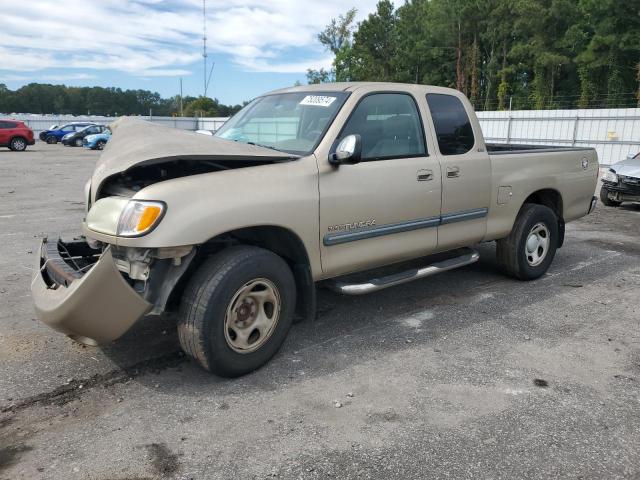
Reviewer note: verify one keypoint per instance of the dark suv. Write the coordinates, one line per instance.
(75, 139)
(15, 135)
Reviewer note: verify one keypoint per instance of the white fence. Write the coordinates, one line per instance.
(614, 133)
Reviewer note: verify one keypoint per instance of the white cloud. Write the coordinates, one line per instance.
(46, 77)
(70, 76)
(163, 37)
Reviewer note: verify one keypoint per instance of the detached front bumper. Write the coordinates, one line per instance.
(84, 298)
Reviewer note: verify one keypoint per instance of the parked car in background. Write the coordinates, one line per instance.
(98, 140)
(43, 134)
(75, 138)
(54, 136)
(621, 183)
(15, 135)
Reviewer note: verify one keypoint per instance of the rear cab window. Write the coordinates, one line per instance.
(452, 125)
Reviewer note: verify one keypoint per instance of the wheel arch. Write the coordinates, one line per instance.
(279, 240)
(552, 199)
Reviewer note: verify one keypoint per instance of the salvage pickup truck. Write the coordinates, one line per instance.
(318, 185)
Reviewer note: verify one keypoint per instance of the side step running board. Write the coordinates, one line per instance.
(470, 256)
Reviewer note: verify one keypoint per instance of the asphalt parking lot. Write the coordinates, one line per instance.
(466, 375)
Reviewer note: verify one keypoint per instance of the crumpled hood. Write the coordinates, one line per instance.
(135, 141)
(628, 168)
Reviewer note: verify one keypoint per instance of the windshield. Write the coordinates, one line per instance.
(291, 122)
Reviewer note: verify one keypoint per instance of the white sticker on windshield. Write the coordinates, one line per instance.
(317, 100)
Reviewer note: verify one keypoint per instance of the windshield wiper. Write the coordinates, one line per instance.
(265, 146)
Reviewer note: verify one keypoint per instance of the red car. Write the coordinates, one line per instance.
(15, 135)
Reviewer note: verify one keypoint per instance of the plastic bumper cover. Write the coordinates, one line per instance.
(97, 306)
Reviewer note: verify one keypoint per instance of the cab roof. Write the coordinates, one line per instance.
(368, 86)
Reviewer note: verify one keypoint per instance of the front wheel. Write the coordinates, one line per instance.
(51, 140)
(529, 249)
(78, 142)
(100, 145)
(237, 310)
(606, 201)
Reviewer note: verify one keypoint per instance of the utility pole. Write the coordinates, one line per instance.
(181, 114)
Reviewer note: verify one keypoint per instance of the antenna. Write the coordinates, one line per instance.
(207, 78)
(204, 43)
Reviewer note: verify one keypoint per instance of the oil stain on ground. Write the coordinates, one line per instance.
(163, 461)
(10, 455)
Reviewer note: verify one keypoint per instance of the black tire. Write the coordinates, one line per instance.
(18, 144)
(606, 201)
(77, 142)
(100, 144)
(201, 326)
(51, 140)
(512, 252)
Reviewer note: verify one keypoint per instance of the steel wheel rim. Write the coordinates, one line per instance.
(252, 315)
(537, 244)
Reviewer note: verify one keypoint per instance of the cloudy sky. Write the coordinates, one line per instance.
(257, 45)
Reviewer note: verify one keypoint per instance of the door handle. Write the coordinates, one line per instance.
(425, 175)
(453, 172)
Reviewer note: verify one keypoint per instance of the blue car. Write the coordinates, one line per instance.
(54, 136)
(97, 141)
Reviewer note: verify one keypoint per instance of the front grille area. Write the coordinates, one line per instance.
(625, 185)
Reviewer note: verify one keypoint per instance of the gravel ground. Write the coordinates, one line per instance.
(465, 375)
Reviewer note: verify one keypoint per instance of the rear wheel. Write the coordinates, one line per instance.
(18, 144)
(606, 201)
(51, 140)
(237, 310)
(529, 249)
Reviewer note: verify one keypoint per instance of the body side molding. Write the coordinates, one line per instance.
(389, 229)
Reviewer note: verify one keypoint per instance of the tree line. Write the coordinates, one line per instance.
(59, 99)
(523, 54)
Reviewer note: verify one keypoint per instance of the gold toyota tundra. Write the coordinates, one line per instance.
(321, 183)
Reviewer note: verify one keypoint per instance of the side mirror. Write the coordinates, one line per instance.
(348, 151)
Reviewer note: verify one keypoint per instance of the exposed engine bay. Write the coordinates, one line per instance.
(129, 182)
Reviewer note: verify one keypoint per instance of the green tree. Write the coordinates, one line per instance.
(319, 76)
(536, 53)
(201, 107)
(336, 37)
(375, 45)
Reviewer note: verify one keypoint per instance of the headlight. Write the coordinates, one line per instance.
(66, 136)
(140, 217)
(610, 176)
